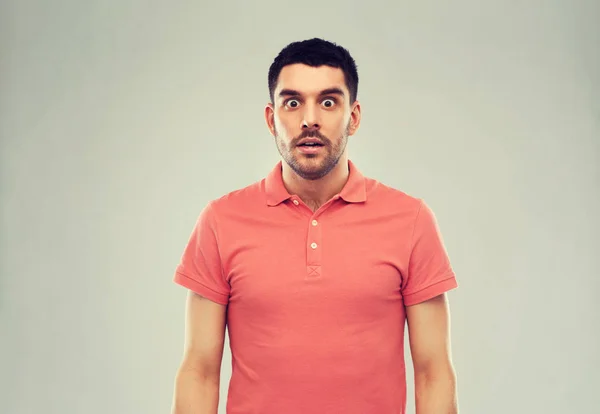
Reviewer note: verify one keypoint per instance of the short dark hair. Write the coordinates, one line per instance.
(315, 52)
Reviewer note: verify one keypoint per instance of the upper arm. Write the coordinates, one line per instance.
(429, 334)
(205, 322)
(201, 268)
(428, 272)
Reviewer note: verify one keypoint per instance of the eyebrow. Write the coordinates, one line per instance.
(328, 91)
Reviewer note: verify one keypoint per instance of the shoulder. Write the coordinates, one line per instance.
(392, 198)
(241, 199)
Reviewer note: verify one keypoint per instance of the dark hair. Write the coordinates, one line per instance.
(315, 52)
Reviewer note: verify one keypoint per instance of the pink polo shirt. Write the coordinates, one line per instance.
(316, 300)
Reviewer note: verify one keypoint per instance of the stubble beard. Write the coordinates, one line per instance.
(313, 167)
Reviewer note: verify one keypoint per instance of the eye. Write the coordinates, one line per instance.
(292, 103)
(329, 102)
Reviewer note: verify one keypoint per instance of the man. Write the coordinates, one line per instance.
(315, 270)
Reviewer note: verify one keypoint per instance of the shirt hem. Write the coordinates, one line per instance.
(431, 291)
(199, 288)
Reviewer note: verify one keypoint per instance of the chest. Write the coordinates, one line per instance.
(316, 269)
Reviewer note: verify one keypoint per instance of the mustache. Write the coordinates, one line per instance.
(312, 134)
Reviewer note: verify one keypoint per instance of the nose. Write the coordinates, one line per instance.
(310, 117)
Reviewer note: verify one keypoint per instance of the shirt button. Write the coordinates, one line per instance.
(313, 245)
(295, 202)
(314, 222)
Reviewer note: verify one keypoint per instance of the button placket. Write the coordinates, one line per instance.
(314, 249)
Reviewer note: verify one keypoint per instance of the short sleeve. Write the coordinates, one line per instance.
(200, 267)
(429, 272)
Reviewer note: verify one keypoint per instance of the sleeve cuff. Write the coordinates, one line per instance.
(200, 289)
(430, 292)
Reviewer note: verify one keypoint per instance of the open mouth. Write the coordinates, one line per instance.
(310, 144)
(310, 148)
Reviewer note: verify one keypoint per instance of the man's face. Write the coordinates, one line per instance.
(314, 103)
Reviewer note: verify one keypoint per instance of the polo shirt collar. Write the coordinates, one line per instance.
(354, 190)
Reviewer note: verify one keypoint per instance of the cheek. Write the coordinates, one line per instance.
(284, 126)
(345, 120)
(336, 120)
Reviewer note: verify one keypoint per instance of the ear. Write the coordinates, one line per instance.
(355, 116)
(270, 118)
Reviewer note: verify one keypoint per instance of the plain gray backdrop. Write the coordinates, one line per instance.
(121, 119)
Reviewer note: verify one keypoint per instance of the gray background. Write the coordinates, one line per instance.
(120, 119)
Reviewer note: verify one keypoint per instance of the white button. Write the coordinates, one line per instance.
(314, 222)
(313, 245)
(295, 202)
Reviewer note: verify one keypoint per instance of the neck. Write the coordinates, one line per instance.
(315, 193)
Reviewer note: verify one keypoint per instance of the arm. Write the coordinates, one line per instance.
(198, 378)
(429, 335)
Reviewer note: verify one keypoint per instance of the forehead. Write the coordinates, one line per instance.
(310, 80)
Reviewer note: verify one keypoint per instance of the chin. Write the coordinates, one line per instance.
(311, 170)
